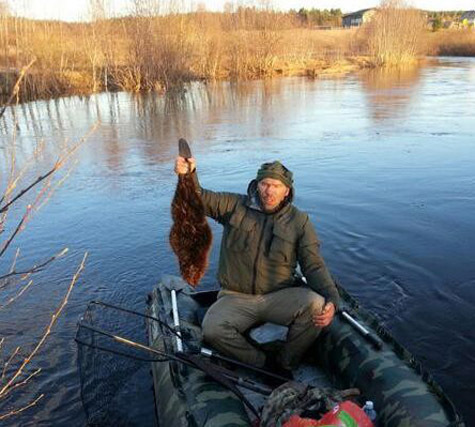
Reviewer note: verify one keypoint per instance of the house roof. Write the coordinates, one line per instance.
(358, 13)
(469, 14)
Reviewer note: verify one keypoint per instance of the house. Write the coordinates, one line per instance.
(358, 18)
(468, 18)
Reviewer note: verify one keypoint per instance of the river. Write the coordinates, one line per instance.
(383, 164)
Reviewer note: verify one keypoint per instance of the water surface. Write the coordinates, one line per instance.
(383, 164)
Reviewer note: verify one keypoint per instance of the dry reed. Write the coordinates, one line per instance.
(151, 52)
(154, 50)
(450, 42)
(393, 33)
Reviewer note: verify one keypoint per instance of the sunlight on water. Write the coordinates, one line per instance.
(383, 164)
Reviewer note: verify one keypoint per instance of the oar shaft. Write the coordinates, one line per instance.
(210, 353)
(372, 338)
(176, 322)
(369, 336)
(358, 326)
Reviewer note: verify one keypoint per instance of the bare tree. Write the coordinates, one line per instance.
(229, 7)
(4, 8)
(20, 197)
(98, 10)
(201, 7)
(394, 32)
(146, 8)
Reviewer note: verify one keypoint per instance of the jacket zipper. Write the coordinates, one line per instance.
(254, 273)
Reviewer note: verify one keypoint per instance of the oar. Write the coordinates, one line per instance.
(369, 336)
(176, 322)
(372, 338)
(212, 354)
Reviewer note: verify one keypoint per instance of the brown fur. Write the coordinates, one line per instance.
(190, 236)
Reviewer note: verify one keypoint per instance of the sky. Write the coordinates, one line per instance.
(72, 10)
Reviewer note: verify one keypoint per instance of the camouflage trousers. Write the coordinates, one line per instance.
(234, 313)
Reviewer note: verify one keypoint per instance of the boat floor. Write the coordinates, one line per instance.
(306, 373)
(270, 337)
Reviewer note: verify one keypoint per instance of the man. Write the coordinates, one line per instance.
(264, 239)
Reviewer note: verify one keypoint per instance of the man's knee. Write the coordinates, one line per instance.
(311, 301)
(210, 329)
(315, 302)
(214, 329)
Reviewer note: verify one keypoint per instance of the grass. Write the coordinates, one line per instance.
(157, 53)
(450, 42)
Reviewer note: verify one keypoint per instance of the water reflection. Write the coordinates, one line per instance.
(393, 208)
(214, 113)
(156, 117)
(390, 92)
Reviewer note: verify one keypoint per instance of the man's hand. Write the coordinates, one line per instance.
(183, 166)
(325, 317)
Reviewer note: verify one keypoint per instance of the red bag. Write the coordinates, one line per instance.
(345, 414)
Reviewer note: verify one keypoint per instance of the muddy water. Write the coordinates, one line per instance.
(383, 164)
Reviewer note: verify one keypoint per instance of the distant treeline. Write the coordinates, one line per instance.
(447, 14)
(319, 17)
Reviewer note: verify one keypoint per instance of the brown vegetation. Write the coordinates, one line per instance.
(450, 42)
(393, 33)
(158, 52)
(153, 50)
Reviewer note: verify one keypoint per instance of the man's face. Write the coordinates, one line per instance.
(271, 192)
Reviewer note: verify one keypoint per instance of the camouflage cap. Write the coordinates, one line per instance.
(275, 170)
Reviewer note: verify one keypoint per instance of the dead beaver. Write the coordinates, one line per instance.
(190, 235)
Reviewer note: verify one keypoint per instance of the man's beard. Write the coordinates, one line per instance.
(277, 208)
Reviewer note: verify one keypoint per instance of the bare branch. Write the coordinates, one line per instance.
(16, 88)
(35, 268)
(17, 229)
(13, 180)
(25, 190)
(7, 363)
(63, 159)
(5, 390)
(58, 184)
(12, 268)
(24, 408)
(25, 381)
(59, 163)
(12, 299)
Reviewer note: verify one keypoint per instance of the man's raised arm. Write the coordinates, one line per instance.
(217, 205)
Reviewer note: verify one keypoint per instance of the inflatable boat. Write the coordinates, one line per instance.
(353, 352)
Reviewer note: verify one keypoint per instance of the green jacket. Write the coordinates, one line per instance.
(260, 251)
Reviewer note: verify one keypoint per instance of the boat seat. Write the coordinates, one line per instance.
(268, 333)
(262, 335)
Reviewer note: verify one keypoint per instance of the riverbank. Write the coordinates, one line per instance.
(71, 83)
(161, 53)
(149, 54)
(450, 43)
